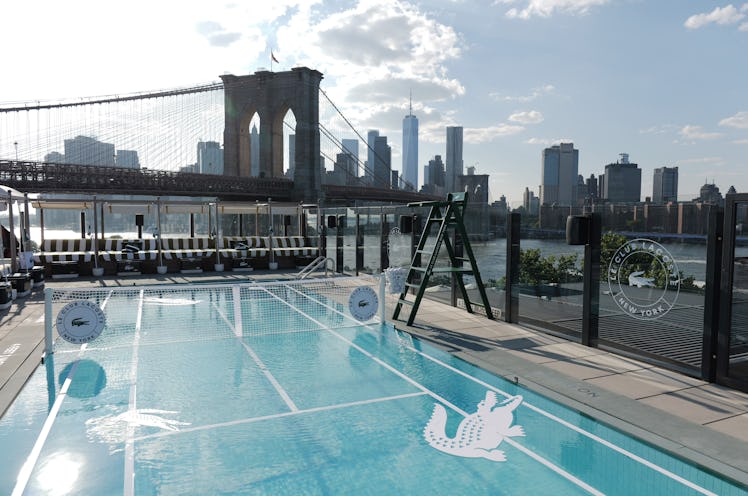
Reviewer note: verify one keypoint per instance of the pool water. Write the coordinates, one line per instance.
(280, 391)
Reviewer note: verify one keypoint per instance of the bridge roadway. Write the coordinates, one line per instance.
(39, 177)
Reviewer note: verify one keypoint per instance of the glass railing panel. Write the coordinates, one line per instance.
(550, 280)
(651, 299)
(371, 228)
(349, 241)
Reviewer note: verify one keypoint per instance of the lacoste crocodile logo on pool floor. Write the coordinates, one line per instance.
(479, 434)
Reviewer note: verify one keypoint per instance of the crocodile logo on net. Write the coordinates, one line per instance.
(644, 279)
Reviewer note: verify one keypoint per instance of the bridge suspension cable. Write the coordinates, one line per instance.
(366, 169)
(158, 130)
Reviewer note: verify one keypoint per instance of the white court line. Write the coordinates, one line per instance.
(236, 294)
(549, 415)
(563, 473)
(269, 375)
(129, 483)
(273, 416)
(28, 466)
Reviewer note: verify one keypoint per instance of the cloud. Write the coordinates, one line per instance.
(531, 117)
(477, 135)
(720, 15)
(694, 133)
(701, 161)
(659, 129)
(534, 94)
(739, 121)
(546, 8)
(740, 141)
(547, 142)
(374, 54)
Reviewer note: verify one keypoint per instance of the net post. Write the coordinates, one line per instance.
(48, 340)
(381, 298)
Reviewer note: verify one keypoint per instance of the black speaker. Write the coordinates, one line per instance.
(286, 220)
(406, 224)
(139, 220)
(332, 221)
(578, 229)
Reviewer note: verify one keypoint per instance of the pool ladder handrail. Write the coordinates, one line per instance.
(314, 265)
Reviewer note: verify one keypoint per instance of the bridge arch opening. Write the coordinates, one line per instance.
(249, 144)
(287, 146)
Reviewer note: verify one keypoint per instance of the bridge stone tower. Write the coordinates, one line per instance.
(271, 95)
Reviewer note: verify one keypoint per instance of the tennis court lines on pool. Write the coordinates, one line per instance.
(341, 407)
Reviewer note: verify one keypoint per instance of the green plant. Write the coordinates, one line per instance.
(535, 269)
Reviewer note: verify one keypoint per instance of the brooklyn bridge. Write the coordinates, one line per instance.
(298, 127)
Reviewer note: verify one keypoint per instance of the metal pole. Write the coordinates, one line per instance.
(26, 234)
(41, 227)
(95, 234)
(715, 231)
(339, 261)
(359, 245)
(11, 228)
(158, 230)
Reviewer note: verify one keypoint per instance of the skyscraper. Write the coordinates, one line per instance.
(254, 152)
(382, 163)
(209, 157)
(436, 171)
(84, 150)
(350, 147)
(622, 181)
(559, 175)
(665, 185)
(410, 149)
(370, 139)
(129, 159)
(453, 158)
(291, 156)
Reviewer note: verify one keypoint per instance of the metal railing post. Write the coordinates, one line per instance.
(715, 232)
(339, 238)
(359, 245)
(511, 284)
(591, 278)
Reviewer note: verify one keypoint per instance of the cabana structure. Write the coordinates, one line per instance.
(181, 236)
(18, 272)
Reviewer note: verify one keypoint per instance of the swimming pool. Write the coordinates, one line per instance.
(278, 389)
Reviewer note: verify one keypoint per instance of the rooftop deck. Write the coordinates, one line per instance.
(701, 422)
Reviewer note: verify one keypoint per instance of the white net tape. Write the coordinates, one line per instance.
(166, 313)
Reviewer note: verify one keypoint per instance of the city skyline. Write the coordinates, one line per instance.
(658, 80)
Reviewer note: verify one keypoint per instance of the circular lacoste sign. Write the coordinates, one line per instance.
(80, 321)
(363, 303)
(644, 279)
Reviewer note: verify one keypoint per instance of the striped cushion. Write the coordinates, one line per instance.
(177, 248)
(285, 246)
(125, 249)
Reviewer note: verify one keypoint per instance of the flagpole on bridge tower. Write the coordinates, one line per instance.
(272, 59)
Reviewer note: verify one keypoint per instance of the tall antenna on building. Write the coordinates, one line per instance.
(410, 104)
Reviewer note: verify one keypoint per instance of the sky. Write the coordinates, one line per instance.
(661, 80)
